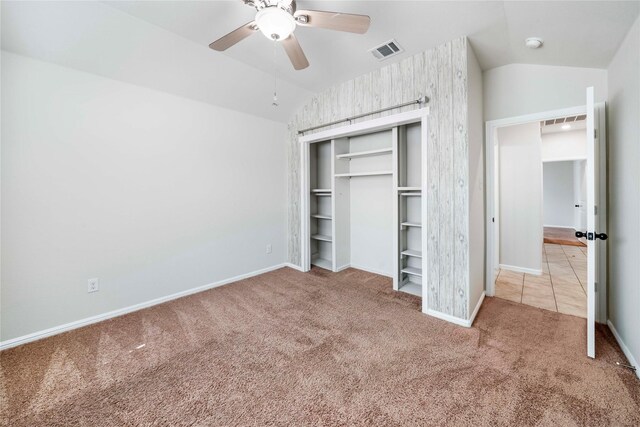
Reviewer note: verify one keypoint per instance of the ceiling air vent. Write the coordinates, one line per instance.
(386, 50)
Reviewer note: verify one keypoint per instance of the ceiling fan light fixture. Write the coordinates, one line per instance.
(275, 23)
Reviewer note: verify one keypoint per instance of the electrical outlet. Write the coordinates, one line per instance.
(269, 248)
(93, 285)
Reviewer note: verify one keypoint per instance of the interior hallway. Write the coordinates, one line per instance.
(560, 288)
(562, 236)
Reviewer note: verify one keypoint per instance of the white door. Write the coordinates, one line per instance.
(580, 194)
(592, 233)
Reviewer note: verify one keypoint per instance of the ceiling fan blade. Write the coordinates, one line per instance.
(333, 20)
(225, 42)
(295, 53)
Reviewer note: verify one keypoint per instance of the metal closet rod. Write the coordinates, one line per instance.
(420, 101)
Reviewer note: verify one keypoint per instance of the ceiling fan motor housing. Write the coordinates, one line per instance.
(275, 23)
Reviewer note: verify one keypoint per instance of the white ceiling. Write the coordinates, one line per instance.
(163, 44)
(581, 34)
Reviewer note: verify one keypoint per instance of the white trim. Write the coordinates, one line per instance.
(369, 270)
(563, 159)
(448, 318)
(624, 348)
(291, 265)
(560, 226)
(122, 311)
(305, 255)
(521, 269)
(343, 267)
(477, 309)
(367, 126)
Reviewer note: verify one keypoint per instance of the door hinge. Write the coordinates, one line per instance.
(595, 286)
(493, 219)
(595, 209)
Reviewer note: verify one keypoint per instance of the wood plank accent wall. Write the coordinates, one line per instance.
(441, 74)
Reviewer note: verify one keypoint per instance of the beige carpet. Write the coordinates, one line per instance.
(288, 348)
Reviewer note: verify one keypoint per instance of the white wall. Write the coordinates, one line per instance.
(371, 207)
(558, 195)
(518, 89)
(476, 182)
(371, 216)
(559, 146)
(152, 193)
(520, 189)
(624, 191)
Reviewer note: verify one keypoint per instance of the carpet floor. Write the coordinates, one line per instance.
(288, 348)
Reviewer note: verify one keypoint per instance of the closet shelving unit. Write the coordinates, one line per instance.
(357, 179)
(408, 198)
(321, 203)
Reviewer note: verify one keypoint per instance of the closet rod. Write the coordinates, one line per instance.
(420, 101)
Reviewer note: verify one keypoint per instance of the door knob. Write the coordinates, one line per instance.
(591, 236)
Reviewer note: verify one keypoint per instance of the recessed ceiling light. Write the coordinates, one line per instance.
(566, 126)
(533, 42)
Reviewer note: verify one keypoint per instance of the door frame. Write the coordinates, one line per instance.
(492, 227)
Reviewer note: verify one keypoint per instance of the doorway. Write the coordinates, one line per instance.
(520, 263)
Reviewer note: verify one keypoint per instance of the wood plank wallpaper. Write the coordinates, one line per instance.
(441, 74)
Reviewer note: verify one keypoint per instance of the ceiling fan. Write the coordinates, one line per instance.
(277, 20)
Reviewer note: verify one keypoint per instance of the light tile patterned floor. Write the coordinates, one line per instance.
(561, 287)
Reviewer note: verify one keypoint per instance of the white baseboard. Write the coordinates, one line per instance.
(295, 267)
(560, 226)
(521, 269)
(14, 342)
(369, 270)
(448, 318)
(457, 320)
(625, 349)
(475, 310)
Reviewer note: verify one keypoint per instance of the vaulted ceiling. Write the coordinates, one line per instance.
(163, 44)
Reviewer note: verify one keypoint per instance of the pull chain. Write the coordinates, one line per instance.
(275, 77)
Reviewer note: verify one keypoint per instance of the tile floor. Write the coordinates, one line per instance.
(561, 287)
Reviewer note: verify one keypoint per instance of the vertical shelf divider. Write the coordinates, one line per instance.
(341, 206)
(397, 245)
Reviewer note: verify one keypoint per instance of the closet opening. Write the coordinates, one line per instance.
(362, 204)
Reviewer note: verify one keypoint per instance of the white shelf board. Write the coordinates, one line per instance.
(410, 194)
(412, 288)
(322, 194)
(409, 189)
(321, 216)
(322, 263)
(411, 224)
(369, 153)
(321, 190)
(322, 237)
(413, 271)
(350, 175)
(413, 253)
